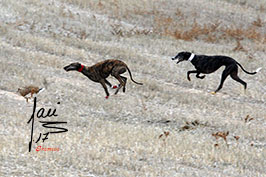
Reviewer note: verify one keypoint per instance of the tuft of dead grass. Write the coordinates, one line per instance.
(119, 30)
(248, 119)
(197, 31)
(239, 47)
(258, 22)
(251, 33)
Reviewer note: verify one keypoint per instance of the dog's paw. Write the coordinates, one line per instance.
(202, 77)
(213, 93)
(106, 97)
(188, 79)
(114, 86)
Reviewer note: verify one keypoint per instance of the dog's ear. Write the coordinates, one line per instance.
(79, 64)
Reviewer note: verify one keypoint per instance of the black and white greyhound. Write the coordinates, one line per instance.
(209, 64)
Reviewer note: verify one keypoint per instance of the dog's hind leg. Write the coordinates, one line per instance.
(116, 73)
(226, 72)
(125, 81)
(190, 72)
(236, 78)
(122, 83)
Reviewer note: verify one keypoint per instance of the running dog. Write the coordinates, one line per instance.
(209, 64)
(100, 71)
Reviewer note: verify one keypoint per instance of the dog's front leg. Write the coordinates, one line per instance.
(105, 88)
(108, 83)
(189, 72)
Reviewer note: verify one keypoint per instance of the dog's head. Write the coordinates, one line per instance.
(73, 67)
(182, 56)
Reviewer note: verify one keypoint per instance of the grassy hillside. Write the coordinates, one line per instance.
(163, 128)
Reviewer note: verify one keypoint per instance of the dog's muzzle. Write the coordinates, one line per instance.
(67, 68)
(173, 58)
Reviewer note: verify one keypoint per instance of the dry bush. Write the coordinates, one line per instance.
(250, 33)
(213, 33)
(239, 47)
(223, 135)
(209, 32)
(162, 24)
(258, 22)
(196, 31)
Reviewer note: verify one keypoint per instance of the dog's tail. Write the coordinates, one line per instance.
(132, 78)
(247, 71)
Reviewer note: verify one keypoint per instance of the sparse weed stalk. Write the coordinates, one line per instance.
(119, 30)
(164, 136)
(239, 47)
(248, 119)
(190, 125)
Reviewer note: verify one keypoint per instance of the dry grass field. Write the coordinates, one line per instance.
(167, 127)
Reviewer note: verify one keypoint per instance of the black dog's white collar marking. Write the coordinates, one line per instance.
(191, 57)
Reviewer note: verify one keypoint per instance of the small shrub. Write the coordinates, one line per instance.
(239, 47)
(258, 22)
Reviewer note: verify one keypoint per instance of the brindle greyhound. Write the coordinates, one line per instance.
(100, 71)
(209, 64)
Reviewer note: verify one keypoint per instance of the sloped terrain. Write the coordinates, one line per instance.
(163, 128)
